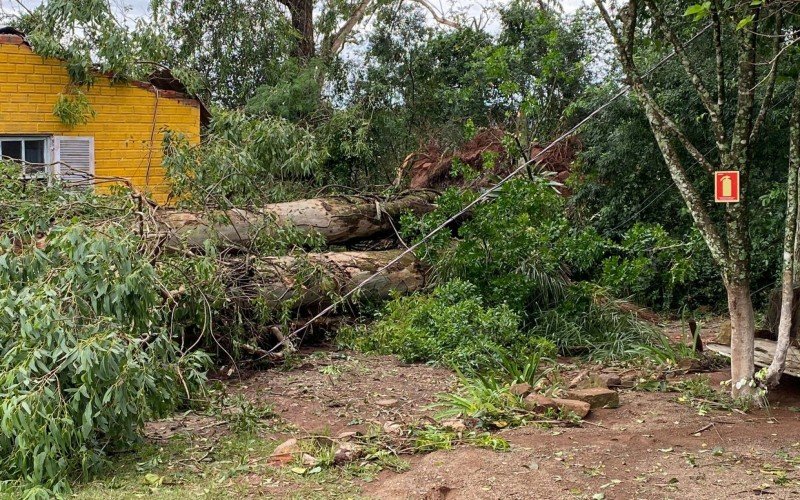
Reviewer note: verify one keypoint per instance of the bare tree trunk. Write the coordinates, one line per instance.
(740, 307)
(790, 245)
(337, 219)
(317, 278)
(302, 18)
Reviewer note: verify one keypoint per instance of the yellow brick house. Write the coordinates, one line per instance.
(121, 143)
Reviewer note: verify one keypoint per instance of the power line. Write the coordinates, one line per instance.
(482, 196)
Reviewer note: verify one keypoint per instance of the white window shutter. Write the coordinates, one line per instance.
(74, 158)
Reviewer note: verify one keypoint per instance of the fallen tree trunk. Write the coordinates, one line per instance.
(337, 219)
(296, 282)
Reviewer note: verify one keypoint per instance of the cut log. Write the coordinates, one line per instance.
(318, 278)
(337, 219)
(764, 352)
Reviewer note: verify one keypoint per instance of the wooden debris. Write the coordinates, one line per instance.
(764, 352)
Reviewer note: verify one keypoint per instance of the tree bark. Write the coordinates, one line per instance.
(790, 244)
(734, 147)
(740, 306)
(296, 282)
(301, 13)
(337, 219)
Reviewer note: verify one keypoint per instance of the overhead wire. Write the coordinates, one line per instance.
(483, 196)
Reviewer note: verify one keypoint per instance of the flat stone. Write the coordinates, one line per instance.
(611, 379)
(538, 403)
(580, 408)
(522, 389)
(597, 397)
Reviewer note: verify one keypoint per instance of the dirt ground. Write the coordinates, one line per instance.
(652, 446)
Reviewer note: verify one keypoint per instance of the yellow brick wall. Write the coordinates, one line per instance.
(122, 127)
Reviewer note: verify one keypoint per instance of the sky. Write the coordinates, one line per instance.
(137, 8)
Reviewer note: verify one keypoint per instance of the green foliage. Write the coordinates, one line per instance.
(589, 322)
(73, 109)
(520, 251)
(450, 326)
(85, 358)
(91, 40)
(509, 249)
(698, 393)
(243, 162)
(516, 368)
(238, 45)
(294, 96)
(86, 355)
(654, 268)
(485, 399)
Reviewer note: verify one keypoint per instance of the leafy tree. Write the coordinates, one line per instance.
(238, 45)
(734, 125)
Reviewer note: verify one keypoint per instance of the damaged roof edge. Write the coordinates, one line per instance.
(160, 80)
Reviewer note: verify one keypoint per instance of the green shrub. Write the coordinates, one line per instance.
(591, 323)
(510, 248)
(84, 357)
(450, 326)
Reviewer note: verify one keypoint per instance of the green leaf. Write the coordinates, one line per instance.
(745, 21)
(699, 11)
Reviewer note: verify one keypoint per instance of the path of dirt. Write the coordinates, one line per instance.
(652, 446)
(647, 448)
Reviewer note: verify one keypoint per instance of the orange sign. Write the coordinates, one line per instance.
(726, 186)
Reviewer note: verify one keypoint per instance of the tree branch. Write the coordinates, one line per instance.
(691, 197)
(625, 48)
(773, 75)
(436, 15)
(678, 133)
(338, 40)
(711, 106)
(662, 127)
(719, 55)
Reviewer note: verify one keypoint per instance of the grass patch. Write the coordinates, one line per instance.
(697, 393)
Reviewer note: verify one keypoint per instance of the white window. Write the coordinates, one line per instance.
(68, 159)
(30, 151)
(74, 160)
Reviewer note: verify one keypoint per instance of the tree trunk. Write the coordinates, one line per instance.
(790, 245)
(296, 282)
(740, 307)
(302, 17)
(338, 220)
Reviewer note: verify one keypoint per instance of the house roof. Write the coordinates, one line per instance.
(161, 80)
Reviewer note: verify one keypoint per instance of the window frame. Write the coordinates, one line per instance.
(48, 171)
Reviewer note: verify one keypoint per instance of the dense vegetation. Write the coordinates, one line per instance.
(100, 329)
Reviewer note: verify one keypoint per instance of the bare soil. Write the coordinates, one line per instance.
(652, 446)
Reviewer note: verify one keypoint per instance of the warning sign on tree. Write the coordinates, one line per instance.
(726, 186)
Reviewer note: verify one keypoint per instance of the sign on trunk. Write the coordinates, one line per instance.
(726, 186)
